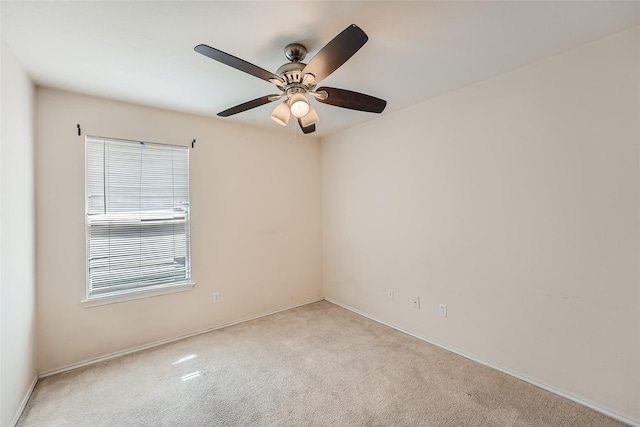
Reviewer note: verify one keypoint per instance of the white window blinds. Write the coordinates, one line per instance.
(137, 216)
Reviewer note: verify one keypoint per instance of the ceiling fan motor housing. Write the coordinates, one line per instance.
(291, 72)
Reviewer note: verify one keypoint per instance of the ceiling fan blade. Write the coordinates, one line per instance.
(247, 105)
(308, 129)
(336, 52)
(352, 100)
(237, 63)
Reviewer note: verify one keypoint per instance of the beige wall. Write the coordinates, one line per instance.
(516, 202)
(17, 241)
(256, 226)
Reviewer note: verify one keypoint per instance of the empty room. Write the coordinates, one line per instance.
(320, 213)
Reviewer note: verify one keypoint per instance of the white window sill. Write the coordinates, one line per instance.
(134, 295)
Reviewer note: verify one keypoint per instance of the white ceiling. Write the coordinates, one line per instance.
(142, 51)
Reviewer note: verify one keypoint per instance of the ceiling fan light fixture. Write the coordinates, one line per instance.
(281, 114)
(310, 119)
(299, 105)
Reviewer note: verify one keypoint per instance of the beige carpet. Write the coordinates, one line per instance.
(317, 365)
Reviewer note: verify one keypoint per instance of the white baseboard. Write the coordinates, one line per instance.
(23, 404)
(605, 411)
(167, 341)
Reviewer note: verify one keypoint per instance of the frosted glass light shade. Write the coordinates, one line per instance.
(281, 114)
(299, 105)
(311, 118)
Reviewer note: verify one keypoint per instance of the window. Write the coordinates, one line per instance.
(137, 219)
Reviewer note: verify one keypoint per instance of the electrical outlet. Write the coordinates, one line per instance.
(390, 294)
(442, 310)
(216, 297)
(416, 302)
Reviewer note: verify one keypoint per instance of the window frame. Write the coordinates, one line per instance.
(93, 298)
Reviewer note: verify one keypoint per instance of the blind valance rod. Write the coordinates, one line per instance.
(141, 142)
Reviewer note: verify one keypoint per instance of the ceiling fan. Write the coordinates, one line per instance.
(296, 80)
